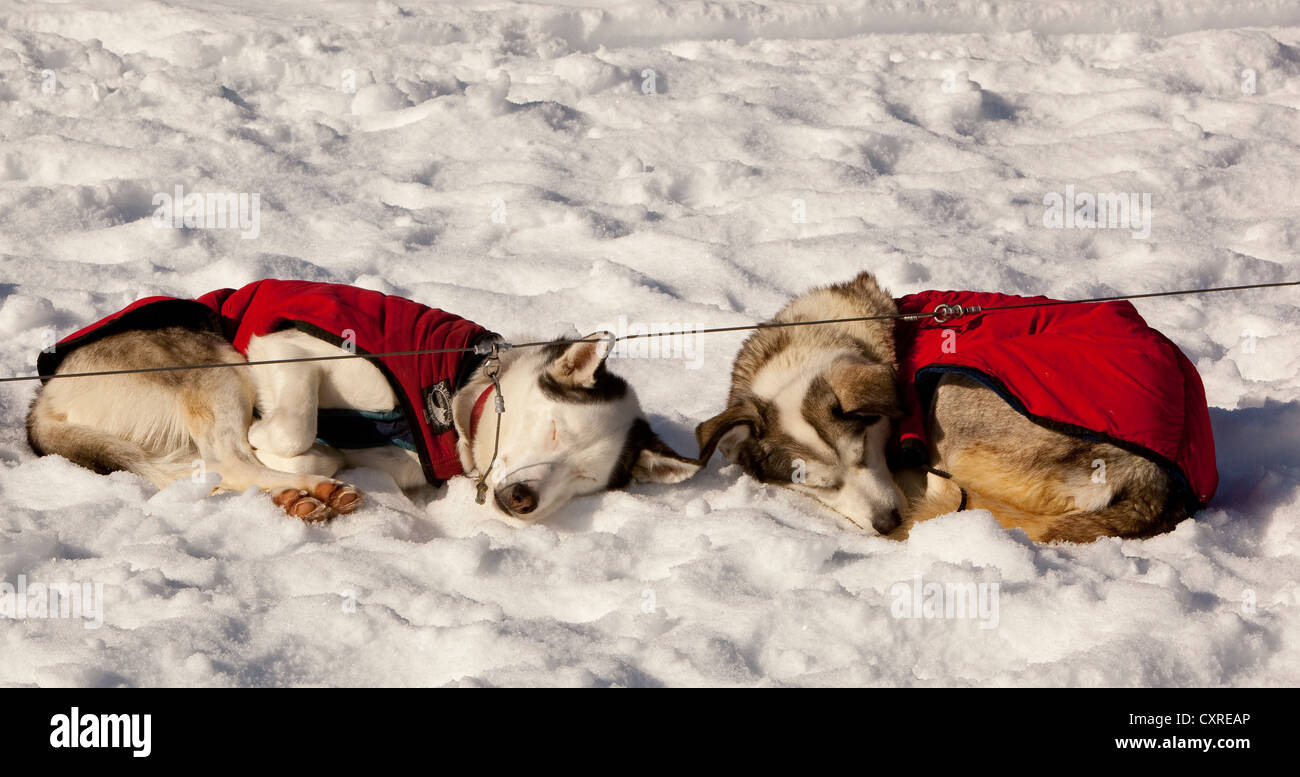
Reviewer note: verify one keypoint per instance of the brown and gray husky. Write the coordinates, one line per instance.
(570, 426)
(818, 401)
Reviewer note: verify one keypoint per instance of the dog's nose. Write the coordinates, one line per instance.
(517, 498)
(886, 523)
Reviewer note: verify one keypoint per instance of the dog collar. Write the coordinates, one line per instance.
(479, 404)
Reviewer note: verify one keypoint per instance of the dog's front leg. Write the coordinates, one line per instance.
(287, 400)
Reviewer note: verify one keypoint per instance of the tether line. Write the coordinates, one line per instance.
(943, 313)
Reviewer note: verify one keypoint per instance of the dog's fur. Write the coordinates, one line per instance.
(816, 401)
(570, 427)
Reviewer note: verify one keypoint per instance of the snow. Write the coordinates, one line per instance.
(510, 163)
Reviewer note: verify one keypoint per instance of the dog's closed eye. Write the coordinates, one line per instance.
(864, 419)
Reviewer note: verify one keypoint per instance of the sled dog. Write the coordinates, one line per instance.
(570, 426)
(817, 409)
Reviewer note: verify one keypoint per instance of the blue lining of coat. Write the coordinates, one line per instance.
(343, 428)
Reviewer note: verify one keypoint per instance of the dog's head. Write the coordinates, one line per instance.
(817, 422)
(571, 427)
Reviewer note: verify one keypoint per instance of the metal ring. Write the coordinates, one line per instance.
(945, 313)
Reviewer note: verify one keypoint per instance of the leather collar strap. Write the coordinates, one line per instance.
(493, 368)
(948, 476)
(474, 417)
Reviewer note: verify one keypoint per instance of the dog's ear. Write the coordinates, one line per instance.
(647, 459)
(726, 430)
(579, 363)
(864, 387)
(658, 463)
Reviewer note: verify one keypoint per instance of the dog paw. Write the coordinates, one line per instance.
(304, 506)
(341, 497)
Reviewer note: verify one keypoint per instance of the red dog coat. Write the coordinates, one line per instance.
(1091, 370)
(367, 321)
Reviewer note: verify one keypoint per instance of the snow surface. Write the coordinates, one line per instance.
(921, 138)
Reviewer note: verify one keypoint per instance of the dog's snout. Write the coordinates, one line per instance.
(887, 523)
(517, 498)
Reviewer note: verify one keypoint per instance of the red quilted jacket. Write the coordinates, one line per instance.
(1093, 370)
(371, 321)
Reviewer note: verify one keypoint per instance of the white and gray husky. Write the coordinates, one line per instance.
(571, 427)
(820, 399)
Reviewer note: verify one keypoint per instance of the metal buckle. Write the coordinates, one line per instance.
(945, 313)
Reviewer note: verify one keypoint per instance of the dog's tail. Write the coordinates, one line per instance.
(1126, 516)
(100, 451)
